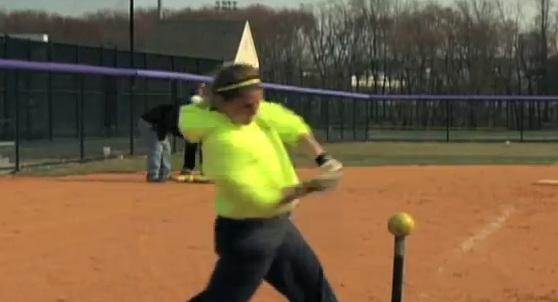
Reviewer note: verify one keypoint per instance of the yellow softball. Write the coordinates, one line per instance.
(401, 224)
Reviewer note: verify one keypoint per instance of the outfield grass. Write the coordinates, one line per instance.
(363, 154)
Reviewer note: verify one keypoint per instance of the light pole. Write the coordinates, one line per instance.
(160, 9)
(226, 5)
(131, 33)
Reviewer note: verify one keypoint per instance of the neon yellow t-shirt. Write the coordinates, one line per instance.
(248, 163)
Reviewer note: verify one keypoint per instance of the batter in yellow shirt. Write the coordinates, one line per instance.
(249, 164)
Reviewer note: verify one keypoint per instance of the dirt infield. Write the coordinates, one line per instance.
(484, 234)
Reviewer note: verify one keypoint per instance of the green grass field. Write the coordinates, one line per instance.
(362, 154)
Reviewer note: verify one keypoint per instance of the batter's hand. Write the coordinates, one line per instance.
(326, 181)
(328, 163)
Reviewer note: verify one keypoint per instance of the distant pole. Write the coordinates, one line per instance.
(226, 5)
(160, 9)
(131, 27)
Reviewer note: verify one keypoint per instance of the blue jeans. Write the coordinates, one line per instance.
(158, 152)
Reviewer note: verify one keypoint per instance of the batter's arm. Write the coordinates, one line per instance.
(311, 144)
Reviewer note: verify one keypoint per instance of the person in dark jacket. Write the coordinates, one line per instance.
(191, 149)
(155, 125)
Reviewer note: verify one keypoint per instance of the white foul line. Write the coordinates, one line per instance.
(488, 229)
(471, 242)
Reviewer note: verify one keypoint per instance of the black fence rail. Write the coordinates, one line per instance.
(434, 118)
(49, 115)
(48, 100)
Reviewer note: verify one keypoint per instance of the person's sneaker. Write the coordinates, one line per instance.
(186, 172)
(153, 179)
(165, 178)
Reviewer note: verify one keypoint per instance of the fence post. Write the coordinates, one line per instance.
(104, 86)
(132, 102)
(131, 112)
(340, 106)
(521, 122)
(355, 102)
(145, 97)
(117, 84)
(49, 92)
(132, 79)
(174, 95)
(448, 120)
(298, 101)
(16, 122)
(309, 106)
(76, 54)
(367, 119)
(28, 94)
(6, 82)
(81, 118)
(327, 118)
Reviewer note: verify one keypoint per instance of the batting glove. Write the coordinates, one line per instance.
(330, 178)
(328, 163)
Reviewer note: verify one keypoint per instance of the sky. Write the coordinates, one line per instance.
(77, 7)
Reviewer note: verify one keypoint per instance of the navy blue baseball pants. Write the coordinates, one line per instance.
(271, 249)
